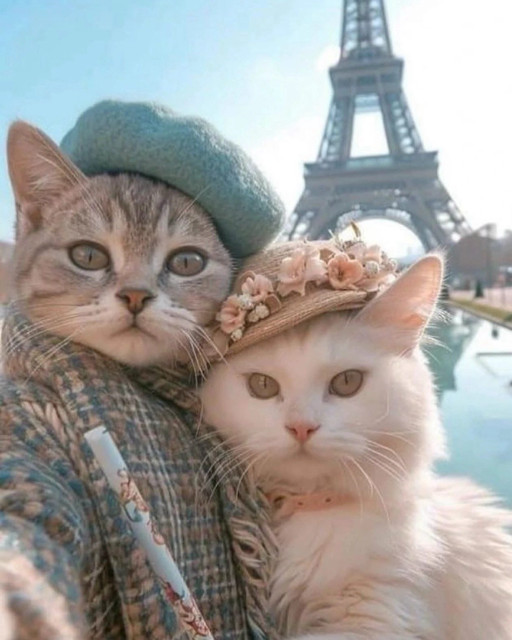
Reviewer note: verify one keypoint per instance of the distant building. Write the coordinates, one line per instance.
(482, 256)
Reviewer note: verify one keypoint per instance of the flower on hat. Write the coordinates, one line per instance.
(237, 334)
(257, 286)
(375, 282)
(260, 312)
(343, 272)
(356, 249)
(375, 253)
(338, 265)
(231, 315)
(303, 266)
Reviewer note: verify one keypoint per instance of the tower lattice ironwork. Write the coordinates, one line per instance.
(400, 185)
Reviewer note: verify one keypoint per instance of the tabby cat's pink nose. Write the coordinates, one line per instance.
(302, 431)
(135, 299)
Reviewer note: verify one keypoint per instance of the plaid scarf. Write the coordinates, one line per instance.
(69, 564)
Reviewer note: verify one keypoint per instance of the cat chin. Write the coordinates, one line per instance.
(300, 468)
(136, 349)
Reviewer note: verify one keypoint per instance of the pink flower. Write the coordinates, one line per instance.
(258, 287)
(356, 250)
(231, 316)
(374, 283)
(374, 253)
(344, 272)
(303, 266)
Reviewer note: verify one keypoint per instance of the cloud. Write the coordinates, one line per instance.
(460, 91)
(265, 69)
(281, 156)
(328, 57)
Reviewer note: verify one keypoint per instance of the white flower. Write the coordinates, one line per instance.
(371, 268)
(252, 317)
(245, 301)
(260, 312)
(236, 335)
(391, 265)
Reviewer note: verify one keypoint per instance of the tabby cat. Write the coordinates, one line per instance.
(121, 263)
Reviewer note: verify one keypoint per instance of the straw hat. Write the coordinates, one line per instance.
(287, 284)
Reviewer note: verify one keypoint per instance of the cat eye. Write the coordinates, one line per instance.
(346, 383)
(262, 386)
(89, 255)
(186, 262)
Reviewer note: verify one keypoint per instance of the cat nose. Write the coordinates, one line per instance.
(135, 299)
(302, 431)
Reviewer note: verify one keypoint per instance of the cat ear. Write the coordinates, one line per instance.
(407, 306)
(39, 173)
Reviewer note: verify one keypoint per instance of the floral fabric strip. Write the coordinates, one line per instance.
(144, 528)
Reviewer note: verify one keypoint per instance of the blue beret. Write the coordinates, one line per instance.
(187, 153)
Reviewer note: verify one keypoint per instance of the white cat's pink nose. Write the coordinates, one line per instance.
(302, 431)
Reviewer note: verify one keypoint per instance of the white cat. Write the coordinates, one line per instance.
(339, 420)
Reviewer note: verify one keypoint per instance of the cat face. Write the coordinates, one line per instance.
(344, 401)
(122, 264)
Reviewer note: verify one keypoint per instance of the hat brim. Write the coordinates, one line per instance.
(298, 309)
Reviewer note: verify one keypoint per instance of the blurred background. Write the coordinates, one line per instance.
(316, 92)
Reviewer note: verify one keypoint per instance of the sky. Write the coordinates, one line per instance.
(258, 71)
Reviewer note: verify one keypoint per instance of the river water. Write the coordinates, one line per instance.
(473, 370)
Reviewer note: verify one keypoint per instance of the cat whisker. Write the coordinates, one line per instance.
(383, 416)
(344, 465)
(211, 454)
(212, 457)
(386, 410)
(242, 460)
(199, 420)
(200, 356)
(49, 355)
(223, 456)
(208, 435)
(189, 350)
(226, 469)
(390, 471)
(38, 306)
(34, 332)
(258, 457)
(399, 462)
(213, 435)
(189, 205)
(50, 325)
(373, 487)
(399, 435)
(211, 343)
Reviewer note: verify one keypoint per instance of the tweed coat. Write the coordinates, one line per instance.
(69, 566)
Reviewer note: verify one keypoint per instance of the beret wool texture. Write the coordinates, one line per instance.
(187, 153)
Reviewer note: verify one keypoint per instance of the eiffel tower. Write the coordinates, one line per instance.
(400, 185)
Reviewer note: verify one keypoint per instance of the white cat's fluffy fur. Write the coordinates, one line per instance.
(408, 555)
